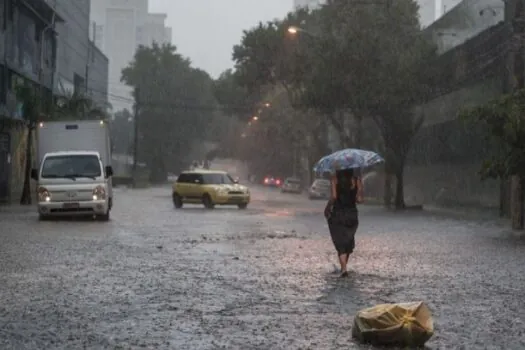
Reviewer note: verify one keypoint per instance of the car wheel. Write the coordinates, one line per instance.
(206, 200)
(42, 217)
(177, 201)
(242, 205)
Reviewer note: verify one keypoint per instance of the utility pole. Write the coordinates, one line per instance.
(518, 82)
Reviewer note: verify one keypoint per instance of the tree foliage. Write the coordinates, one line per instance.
(504, 119)
(176, 104)
(351, 62)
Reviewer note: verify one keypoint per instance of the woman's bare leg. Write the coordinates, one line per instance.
(343, 260)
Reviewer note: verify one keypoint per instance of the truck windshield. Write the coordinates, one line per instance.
(71, 166)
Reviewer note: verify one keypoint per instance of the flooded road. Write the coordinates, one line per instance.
(159, 278)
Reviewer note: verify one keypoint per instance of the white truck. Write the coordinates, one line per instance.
(74, 169)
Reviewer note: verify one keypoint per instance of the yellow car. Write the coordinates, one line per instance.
(209, 187)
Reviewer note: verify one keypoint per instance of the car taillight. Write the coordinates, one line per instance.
(278, 181)
(265, 180)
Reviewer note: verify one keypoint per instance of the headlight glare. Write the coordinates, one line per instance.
(43, 195)
(99, 193)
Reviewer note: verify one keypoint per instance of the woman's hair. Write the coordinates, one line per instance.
(345, 174)
(346, 178)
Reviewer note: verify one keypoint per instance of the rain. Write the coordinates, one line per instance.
(246, 175)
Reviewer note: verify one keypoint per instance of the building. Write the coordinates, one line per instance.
(115, 30)
(44, 45)
(447, 154)
(27, 56)
(118, 27)
(154, 30)
(97, 76)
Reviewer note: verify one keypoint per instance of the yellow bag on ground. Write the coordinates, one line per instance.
(403, 324)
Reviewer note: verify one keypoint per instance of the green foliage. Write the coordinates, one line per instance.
(28, 96)
(176, 105)
(504, 119)
(77, 106)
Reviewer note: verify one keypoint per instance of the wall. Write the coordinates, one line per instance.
(447, 153)
(98, 76)
(465, 21)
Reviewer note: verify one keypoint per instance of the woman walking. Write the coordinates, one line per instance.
(341, 214)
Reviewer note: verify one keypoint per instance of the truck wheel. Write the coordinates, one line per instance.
(242, 206)
(206, 200)
(177, 201)
(103, 217)
(42, 217)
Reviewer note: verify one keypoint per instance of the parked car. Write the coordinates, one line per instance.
(272, 181)
(210, 188)
(320, 189)
(291, 185)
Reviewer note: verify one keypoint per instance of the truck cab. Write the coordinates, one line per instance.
(73, 183)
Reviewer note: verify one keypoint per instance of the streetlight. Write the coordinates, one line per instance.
(293, 30)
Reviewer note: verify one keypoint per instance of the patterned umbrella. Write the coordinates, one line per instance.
(350, 158)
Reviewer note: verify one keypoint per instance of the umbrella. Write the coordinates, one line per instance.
(350, 158)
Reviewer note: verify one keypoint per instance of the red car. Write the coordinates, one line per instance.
(272, 181)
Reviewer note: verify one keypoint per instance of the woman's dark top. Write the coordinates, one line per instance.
(346, 193)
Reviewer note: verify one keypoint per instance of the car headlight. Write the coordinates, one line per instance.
(99, 193)
(222, 191)
(44, 195)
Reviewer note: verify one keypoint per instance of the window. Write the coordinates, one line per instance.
(217, 179)
(72, 166)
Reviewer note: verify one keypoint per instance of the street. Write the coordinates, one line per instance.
(264, 278)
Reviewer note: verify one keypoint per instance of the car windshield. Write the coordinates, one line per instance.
(71, 166)
(217, 179)
(293, 181)
(321, 183)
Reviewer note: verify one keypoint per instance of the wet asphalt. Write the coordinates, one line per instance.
(263, 278)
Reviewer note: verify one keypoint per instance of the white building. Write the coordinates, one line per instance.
(155, 30)
(118, 27)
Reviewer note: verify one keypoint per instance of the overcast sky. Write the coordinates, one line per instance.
(206, 30)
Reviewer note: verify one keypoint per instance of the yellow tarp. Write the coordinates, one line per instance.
(403, 324)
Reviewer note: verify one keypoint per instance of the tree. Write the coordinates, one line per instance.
(504, 121)
(176, 106)
(30, 113)
(122, 132)
(271, 63)
(371, 61)
(75, 105)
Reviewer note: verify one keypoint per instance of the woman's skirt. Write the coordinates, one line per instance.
(343, 224)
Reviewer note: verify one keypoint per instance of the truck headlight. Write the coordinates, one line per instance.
(44, 195)
(99, 193)
(222, 191)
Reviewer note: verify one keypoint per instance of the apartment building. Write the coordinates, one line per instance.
(118, 27)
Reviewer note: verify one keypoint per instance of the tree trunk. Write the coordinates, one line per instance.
(516, 196)
(400, 194)
(26, 191)
(504, 198)
(387, 196)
